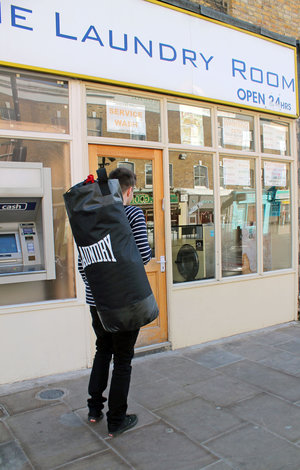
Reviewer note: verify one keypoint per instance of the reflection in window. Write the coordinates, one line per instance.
(238, 217)
(189, 125)
(142, 193)
(277, 230)
(148, 174)
(54, 155)
(128, 165)
(200, 176)
(274, 137)
(33, 103)
(192, 217)
(235, 131)
(119, 116)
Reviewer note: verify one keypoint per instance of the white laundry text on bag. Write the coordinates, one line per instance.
(100, 252)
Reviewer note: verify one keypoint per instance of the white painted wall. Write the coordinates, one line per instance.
(43, 340)
(220, 310)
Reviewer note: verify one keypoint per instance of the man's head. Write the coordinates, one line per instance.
(127, 180)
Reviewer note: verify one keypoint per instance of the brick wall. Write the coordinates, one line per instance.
(280, 16)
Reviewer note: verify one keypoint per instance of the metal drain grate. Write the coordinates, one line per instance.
(51, 394)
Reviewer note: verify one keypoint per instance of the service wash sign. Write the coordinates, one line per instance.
(145, 44)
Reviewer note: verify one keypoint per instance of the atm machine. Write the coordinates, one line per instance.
(26, 223)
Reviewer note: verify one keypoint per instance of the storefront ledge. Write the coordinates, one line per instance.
(48, 305)
(231, 279)
(152, 349)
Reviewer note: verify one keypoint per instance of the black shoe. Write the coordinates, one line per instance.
(95, 416)
(129, 422)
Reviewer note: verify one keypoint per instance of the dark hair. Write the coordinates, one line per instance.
(125, 176)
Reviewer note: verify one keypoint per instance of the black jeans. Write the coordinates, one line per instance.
(121, 346)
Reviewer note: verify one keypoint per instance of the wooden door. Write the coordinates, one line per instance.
(148, 194)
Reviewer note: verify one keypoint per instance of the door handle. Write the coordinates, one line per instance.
(162, 263)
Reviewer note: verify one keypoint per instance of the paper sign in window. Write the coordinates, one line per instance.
(236, 132)
(191, 125)
(125, 118)
(236, 172)
(274, 137)
(274, 174)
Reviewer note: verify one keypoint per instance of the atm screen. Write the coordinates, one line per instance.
(8, 243)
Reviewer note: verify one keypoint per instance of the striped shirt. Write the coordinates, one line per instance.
(137, 223)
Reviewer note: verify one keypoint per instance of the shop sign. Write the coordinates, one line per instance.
(174, 199)
(17, 206)
(142, 198)
(145, 44)
(125, 118)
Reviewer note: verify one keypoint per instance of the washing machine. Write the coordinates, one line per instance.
(187, 253)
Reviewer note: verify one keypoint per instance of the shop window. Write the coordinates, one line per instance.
(171, 175)
(128, 165)
(200, 176)
(235, 131)
(192, 217)
(32, 103)
(54, 155)
(274, 137)
(94, 125)
(122, 116)
(277, 228)
(189, 125)
(221, 173)
(148, 175)
(238, 216)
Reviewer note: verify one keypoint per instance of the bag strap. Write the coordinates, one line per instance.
(103, 181)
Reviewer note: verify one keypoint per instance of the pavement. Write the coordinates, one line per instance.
(228, 404)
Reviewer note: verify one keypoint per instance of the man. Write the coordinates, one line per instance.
(120, 345)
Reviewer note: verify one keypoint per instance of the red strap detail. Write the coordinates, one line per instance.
(90, 179)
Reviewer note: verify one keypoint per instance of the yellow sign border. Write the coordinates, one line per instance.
(171, 92)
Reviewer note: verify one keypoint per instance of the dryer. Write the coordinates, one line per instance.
(190, 251)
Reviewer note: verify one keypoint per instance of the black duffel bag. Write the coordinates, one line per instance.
(110, 257)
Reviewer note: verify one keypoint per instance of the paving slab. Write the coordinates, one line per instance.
(199, 419)
(265, 378)
(145, 417)
(158, 446)
(292, 346)
(272, 338)
(76, 391)
(223, 390)
(13, 458)
(53, 436)
(232, 404)
(255, 448)
(106, 460)
(181, 370)
(23, 401)
(5, 436)
(218, 466)
(249, 349)
(273, 413)
(213, 357)
(293, 330)
(283, 360)
(158, 394)
(142, 374)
